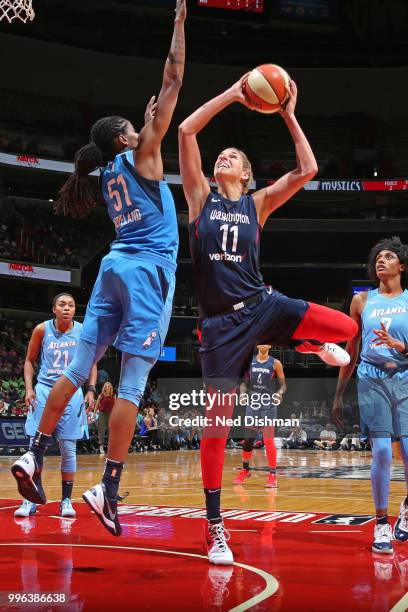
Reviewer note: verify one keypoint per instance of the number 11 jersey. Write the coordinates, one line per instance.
(224, 242)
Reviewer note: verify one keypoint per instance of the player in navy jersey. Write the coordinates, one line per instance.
(131, 301)
(54, 344)
(264, 398)
(382, 376)
(237, 310)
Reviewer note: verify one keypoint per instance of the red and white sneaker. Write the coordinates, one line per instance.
(330, 353)
(219, 552)
(271, 483)
(238, 480)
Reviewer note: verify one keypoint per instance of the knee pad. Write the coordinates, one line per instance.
(68, 455)
(86, 355)
(133, 377)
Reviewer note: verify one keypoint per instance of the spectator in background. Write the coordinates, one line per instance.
(351, 441)
(19, 409)
(103, 407)
(151, 425)
(327, 438)
(3, 408)
(297, 439)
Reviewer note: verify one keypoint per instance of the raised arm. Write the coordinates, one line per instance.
(147, 155)
(33, 351)
(195, 185)
(269, 199)
(353, 349)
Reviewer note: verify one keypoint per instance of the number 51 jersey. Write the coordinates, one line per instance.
(57, 351)
(142, 211)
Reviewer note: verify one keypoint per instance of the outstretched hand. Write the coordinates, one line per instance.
(383, 337)
(289, 106)
(181, 10)
(150, 109)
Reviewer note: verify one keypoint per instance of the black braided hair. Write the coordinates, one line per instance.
(77, 196)
(57, 297)
(394, 245)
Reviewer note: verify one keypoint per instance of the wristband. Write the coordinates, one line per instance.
(92, 388)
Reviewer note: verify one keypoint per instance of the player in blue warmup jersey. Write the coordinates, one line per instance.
(237, 310)
(131, 302)
(382, 376)
(264, 399)
(54, 344)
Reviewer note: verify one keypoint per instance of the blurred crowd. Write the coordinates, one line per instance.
(35, 234)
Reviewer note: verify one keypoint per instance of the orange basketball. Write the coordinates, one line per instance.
(266, 88)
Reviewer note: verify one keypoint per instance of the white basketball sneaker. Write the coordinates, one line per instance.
(334, 355)
(27, 508)
(105, 509)
(66, 508)
(330, 353)
(401, 526)
(28, 476)
(218, 551)
(382, 539)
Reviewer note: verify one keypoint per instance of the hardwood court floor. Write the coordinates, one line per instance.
(305, 546)
(308, 481)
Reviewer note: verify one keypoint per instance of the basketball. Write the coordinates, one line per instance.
(266, 88)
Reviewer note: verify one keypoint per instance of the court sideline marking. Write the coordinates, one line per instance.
(271, 587)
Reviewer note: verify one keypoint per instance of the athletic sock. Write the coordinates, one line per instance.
(382, 520)
(111, 477)
(38, 447)
(213, 505)
(245, 465)
(67, 488)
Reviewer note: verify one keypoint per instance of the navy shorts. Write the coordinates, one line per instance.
(383, 400)
(228, 341)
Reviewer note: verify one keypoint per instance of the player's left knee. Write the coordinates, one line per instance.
(135, 370)
(68, 455)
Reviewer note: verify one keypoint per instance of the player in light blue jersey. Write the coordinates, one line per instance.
(53, 343)
(382, 376)
(131, 301)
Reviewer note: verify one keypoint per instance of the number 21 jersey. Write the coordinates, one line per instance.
(57, 351)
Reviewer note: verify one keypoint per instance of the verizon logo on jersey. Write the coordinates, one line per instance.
(225, 257)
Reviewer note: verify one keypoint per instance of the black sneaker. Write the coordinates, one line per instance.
(105, 508)
(28, 476)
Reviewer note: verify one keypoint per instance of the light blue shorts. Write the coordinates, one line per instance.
(383, 399)
(130, 305)
(73, 423)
